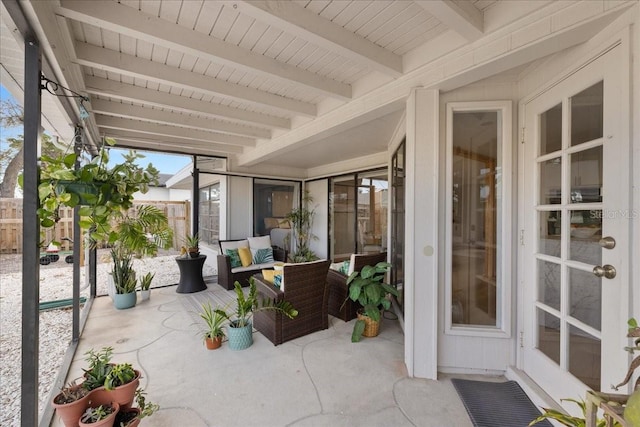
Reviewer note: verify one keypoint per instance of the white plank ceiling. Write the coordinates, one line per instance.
(224, 77)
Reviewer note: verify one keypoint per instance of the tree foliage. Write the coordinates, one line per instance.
(11, 148)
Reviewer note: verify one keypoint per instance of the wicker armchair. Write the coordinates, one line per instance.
(306, 289)
(339, 291)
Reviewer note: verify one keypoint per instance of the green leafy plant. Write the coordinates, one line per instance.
(367, 288)
(97, 413)
(214, 321)
(568, 420)
(145, 281)
(146, 408)
(99, 367)
(102, 190)
(301, 220)
(249, 304)
(120, 374)
(124, 277)
(192, 242)
(70, 393)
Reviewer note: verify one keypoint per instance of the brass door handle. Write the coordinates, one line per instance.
(607, 271)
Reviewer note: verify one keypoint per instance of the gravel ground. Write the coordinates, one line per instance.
(55, 325)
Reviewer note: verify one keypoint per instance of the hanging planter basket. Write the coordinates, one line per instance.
(84, 190)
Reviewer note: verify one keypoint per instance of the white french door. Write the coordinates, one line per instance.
(575, 232)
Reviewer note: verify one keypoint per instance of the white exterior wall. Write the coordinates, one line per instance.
(239, 201)
(319, 190)
(421, 234)
(164, 194)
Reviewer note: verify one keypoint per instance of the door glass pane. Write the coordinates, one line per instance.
(549, 284)
(586, 231)
(551, 130)
(343, 217)
(548, 335)
(209, 215)
(586, 176)
(550, 225)
(550, 182)
(584, 357)
(585, 297)
(397, 227)
(272, 202)
(586, 115)
(373, 201)
(476, 165)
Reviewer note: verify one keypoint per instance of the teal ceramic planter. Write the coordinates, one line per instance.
(123, 301)
(240, 338)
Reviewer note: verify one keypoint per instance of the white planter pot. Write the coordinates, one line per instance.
(111, 286)
(145, 295)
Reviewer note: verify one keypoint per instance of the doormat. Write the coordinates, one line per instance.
(491, 404)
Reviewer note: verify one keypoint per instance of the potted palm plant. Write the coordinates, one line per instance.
(138, 232)
(301, 220)
(239, 331)
(192, 244)
(213, 334)
(367, 288)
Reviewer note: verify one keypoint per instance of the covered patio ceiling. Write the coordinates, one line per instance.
(293, 85)
(224, 78)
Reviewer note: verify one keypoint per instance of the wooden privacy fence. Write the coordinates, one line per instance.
(178, 214)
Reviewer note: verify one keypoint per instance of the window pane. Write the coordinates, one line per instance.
(551, 130)
(586, 115)
(549, 239)
(584, 357)
(272, 202)
(209, 215)
(586, 176)
(550, 182)
(586, 231)
(585, 297)
(476, 166)
(343, 217)
(549, 335)
(373, 201)
(549, 284)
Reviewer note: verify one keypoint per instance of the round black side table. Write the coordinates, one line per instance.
(191, 274)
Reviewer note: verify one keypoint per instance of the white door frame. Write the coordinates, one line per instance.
(620, 48)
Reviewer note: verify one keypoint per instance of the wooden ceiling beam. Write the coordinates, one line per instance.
(460, 16)
(116, 90)
(158, 129)
(101, 106)
(117, 62)
(303, 23)
(134, 23)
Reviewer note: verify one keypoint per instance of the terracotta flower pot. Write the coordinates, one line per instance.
(70, 413)
(107, 422)
(131, 416)
(213, 343)
(123, 395)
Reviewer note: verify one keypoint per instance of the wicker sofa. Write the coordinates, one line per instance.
(305, 287)
(228, 275)
(339, 291)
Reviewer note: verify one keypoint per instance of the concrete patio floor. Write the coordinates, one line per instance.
(318, 380)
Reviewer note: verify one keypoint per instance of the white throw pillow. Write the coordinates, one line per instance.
(233, 245)
(262, 242)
